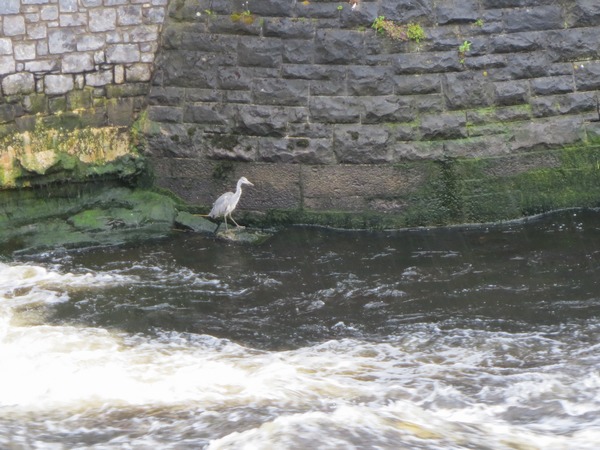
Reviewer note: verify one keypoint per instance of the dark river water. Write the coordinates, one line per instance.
(484, 337)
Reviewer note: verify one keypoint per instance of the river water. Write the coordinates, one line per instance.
(484, 338)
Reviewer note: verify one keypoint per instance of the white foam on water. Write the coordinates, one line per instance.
(427, 388)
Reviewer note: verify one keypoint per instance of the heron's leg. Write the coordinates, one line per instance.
(236, 224)
(225, 219)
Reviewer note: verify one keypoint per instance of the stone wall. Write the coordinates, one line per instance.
(76, 62)
(324, 113)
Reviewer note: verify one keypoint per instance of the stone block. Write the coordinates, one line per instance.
(421, 11)
(274, 8)
(166, 114)
(386, 109)
(295, 151)
(339, 47)
(286, 28)
(43, 65)
(67, 5)
(261, 120)
(542, 17)
(18, 84)
(129, 15)
(144, 33)
(457, 11)
(88, 42)
(62, 40)
(79, 99)
(58, 84)
(572, 103)
(77, 63)
(417, 84)
(154, 15)
(511, 93)
(73, 20)
(37, 31)
(6, 47)
(349, 181)
(467, 90)
(572, 45)
(547, 133)
(127, 90)
(334, 109)
(514, 43)
(7, 64)
(120, 111)
(138, 72)
(426, 63)
(314, 72)
(298, 51)
(208, 113)
(122, 53)
(167, 96)
(49, 12)
(10, 7)
(259, 52)
(103, 20)
(7, 113)
(361, 144)
(587, 76)
(443, 126)
(24, 51)
(273, 91)
(100, 78)
(13, 25)
(584, 13)
(57, 105)
(367, 80)
(552, 85)
(35, 103)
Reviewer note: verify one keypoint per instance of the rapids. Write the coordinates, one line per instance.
(471, 337)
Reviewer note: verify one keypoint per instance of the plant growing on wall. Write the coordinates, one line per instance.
(462, 51)
(412, 31)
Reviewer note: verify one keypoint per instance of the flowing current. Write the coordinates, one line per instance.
(484, 338)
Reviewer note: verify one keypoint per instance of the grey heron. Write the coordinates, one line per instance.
(227, 202)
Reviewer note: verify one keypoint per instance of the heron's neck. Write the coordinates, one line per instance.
(238, 189)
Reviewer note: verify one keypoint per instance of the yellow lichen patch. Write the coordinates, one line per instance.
(38, 162)
(37, 151)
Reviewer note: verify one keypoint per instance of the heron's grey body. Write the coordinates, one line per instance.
(227, 202)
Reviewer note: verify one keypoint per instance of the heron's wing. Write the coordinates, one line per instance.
(220, 206)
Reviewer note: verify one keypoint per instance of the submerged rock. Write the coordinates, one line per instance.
(244, 235)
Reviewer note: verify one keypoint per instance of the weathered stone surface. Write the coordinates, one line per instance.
(457, 11)
(122, 53)
(446, 126)
(361, 144)
(18, 83)
(292, 151)
(467, 90)
(338, 46)
(552, 85)
(62, 40)
(10, 6)
(366, 80)
(58, 84)
(77, 62)
(13, 25)
(587, 76)
(334, 109)
(584, 13)
(103, 20)
(259, 52)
